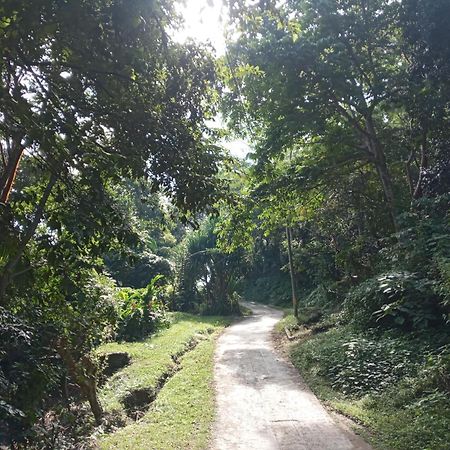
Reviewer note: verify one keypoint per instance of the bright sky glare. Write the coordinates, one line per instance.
(205, 22)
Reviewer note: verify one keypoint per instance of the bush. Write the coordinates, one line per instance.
(139, 269)
(141, 311)
(435, 374)
(228, 306)
(308, 315)
(356, 364)
(76, 309)
(398, 385)
(28, 371)
(319, 296)
(395, 299)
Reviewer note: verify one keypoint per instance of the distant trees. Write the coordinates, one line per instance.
(207, 277)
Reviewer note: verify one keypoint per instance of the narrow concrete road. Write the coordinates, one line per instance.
(262, 401)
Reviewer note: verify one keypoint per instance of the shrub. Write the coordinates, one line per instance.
(308, 315)
(395, 299)
(435, 374)
(356, 364)
(28, 372)
(270, 289)
(141, 311)
(322, 296)
(228, 306)
(442, 286)
(140, 268)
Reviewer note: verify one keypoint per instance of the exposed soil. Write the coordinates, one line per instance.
(112, 362)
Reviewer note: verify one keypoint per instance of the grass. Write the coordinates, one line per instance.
(306, 316)
(245, 311)
(153, 358)
(288, 321)
(411, 413)
(183, 412)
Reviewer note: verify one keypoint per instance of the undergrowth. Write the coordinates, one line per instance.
(395, 385)
(268, 289)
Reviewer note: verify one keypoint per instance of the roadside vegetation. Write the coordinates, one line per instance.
(344, 211)
(394, 385)
(153, 361)
(183, 412)
(106, 168)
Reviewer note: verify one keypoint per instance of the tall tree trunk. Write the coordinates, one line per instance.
(11, 154)
(418, 191)
(7, 273)
(409, 175)
(379, 159)
(8, 178)
(370, 138)
(291, 271)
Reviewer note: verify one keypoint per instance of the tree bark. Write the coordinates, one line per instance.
(409, 175)
(7, 181)
(418, 191)
(291, 270)
(11, 156)
(377, 156)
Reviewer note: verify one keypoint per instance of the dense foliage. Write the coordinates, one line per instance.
(99, 108)
(352, 150)
(117, 203)
(347, 103)
(207, 277)
(141, 311)
(395, 384)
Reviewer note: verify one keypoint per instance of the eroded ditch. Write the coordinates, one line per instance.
(138, 401)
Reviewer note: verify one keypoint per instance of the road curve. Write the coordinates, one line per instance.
(262, 402)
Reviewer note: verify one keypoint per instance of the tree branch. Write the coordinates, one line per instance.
(6, 276)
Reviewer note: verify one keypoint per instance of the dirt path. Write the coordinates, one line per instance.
(262, 401)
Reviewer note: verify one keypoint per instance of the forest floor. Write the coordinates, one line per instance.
(262, 402)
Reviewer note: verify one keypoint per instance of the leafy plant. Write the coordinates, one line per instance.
(356, 364)
(394, 299)
(207, 276)
(27, 373)
(141, 311)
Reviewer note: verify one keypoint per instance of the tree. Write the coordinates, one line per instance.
(331, 69)
(207, 276)
(98, 90)
(92, 93)
(424, 35)
(337, 97)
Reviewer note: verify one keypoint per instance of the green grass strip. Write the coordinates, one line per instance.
(152, 358)
(182, 414)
